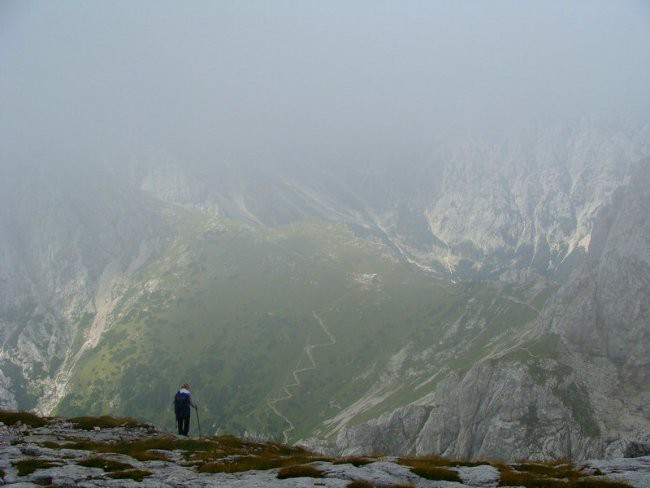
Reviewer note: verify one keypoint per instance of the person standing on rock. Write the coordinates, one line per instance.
(182, 408)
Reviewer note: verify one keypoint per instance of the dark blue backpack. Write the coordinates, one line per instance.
(182, 404)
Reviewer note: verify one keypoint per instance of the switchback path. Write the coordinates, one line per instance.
(519, 302)
(306, 352)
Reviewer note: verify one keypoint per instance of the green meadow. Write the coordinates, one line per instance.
(279, 330)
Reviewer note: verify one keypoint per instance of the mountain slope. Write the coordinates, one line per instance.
(326, 304)
(66, 243)
(279, 328)
(577, 387)
(481, 205)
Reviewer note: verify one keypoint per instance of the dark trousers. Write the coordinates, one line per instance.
(183, 425)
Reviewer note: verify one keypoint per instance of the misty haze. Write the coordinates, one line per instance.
(365, 228)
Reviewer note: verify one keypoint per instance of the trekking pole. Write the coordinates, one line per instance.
(198, 422)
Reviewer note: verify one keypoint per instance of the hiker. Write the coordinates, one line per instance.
(182, 404)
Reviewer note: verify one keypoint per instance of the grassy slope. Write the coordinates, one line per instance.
(230, 309)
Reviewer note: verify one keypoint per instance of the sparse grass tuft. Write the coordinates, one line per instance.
(431, 467)
(232, 442)
(240, 465)
(436, 473)
(133, 474)
(433, 460)
(300, 471)
(26, 418)
(354, 460)
(207, 453)
(552, 475)
(229, 454)
(529, 480)
(428, 460)
(285, 449)
(107, 422)
(28, 466)
(258, 462)
(550, 470)
(147, 449)
(469, 464)
(148, 455)
(108, 465)
(360, 484)
(599, 484)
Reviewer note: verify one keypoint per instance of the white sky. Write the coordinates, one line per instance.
(304, 81)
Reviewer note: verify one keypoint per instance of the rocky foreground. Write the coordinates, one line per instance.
(106, 451)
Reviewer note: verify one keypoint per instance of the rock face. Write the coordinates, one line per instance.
(605, 309)
(533, 199)
(393, 432)
(579, 385)
(493, 412)
(603, 315)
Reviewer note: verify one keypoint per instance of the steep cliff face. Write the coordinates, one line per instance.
(68, 237)
(492, 412)
(578, 387)
(529, 201)
(612, 319)
(604, 316)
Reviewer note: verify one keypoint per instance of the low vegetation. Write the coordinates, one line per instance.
(368, 484)
(436, 473)
(354, 460)
(252, 463)
(553, 474)
(115, 469)
(27, 466)
(140, 450)
(591, 483)
(259, 460)
(360, 484)
(433, 460)
(133, 474)
(432, 468)
(108, 465)
(107, 422)
(230, 454)
(311, 264)
(25, 418)
(300, 471)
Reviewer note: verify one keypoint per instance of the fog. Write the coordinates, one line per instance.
(293, 82)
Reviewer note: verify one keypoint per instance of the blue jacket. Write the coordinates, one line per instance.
(182, 403)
